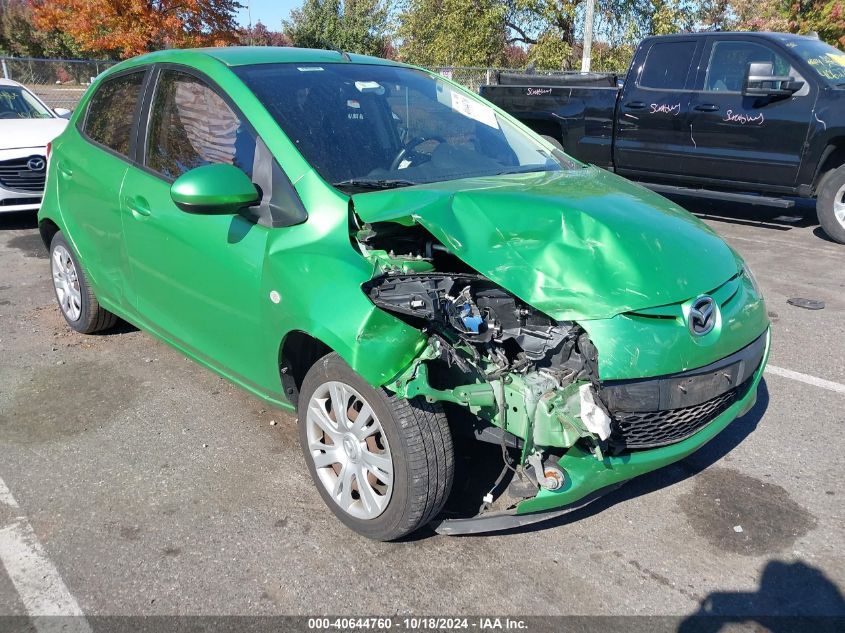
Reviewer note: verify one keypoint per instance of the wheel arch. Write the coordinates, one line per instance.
(371, 356)
(47, 228)
(832, 157)
(298, 351)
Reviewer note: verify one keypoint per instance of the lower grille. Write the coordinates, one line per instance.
(17, 175)
(650, 429)
(13, 202)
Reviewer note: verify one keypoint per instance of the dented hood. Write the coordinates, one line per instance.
(577, 244)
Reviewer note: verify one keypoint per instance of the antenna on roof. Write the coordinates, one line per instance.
(343, 54)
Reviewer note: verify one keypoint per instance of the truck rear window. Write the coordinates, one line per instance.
(667, 65)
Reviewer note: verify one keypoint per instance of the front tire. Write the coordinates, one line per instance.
(74, 295)
(830, 204)
(383, 465)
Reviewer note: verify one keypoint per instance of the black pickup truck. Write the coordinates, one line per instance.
(748, 117)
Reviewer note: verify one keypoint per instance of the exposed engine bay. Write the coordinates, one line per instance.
(531, 381)
(461, 304)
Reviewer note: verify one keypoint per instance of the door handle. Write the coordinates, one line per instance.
(707, 107)
(635, 105)
(64, 171)
(139, 207)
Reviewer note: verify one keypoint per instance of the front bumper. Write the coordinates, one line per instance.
(588, 479)
(21, 186)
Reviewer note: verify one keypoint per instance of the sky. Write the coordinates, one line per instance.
(269, 12)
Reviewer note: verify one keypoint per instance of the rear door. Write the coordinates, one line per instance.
(197, 278)
(91, 163)
(756, 140)
(652, 126)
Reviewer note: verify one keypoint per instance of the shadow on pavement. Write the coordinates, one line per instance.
(791, 597)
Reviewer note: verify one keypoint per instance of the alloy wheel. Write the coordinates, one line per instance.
(839, 206)
(66, 283)
(350, 450)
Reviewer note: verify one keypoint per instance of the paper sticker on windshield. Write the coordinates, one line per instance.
(474, 110)
(370, 86)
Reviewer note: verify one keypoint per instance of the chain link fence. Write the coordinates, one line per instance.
(60, 83)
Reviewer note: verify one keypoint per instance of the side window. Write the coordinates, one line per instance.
(191, 125)
(729, 61)
(111, 111)
(667, 65)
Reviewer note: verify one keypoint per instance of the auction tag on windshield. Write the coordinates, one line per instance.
(472, 109)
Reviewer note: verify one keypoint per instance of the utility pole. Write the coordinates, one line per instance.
(588, 36)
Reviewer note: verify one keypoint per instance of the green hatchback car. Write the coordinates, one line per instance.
(403, 264)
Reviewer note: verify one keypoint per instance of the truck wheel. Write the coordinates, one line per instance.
(384, 465)
(830, 204)
(76, 300)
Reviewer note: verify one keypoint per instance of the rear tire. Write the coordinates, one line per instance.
(830, 204)
(74, 295)
(403, 449)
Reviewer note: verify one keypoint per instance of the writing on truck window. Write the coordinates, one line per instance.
(830, 65)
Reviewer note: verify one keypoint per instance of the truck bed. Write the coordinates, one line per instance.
(577, 109)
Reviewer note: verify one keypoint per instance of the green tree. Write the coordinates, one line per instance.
(355, 26)
(453, 32)
(19, 37)
(552, 29)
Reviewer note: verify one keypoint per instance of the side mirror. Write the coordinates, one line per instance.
(760, 81)
(62, 113)
(218, 189)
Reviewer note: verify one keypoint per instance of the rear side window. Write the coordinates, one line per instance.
(191, 125)
(667, 65)
(729, 62)
(111, 112)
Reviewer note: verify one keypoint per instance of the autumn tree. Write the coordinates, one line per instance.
(825, 17)
(260, 35)
(125, 28)
(355, 26)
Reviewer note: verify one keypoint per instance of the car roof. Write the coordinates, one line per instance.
(245, 55)
(769, 35)
(9, 82)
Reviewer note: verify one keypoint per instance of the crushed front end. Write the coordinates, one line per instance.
(578, 406)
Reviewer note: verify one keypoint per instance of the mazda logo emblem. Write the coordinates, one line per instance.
(36, 163)
(702, 315)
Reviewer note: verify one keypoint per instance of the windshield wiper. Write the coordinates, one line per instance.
(525, 170)
(842, 85)
(365, 183)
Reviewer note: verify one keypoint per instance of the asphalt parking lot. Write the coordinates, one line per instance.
(152, 487)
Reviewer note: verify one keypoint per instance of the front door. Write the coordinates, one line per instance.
(756, 140)
(196, 278)
(652, 126)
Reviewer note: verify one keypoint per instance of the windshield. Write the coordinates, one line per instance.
(827, 61)
(372, 127)
(17, 103)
